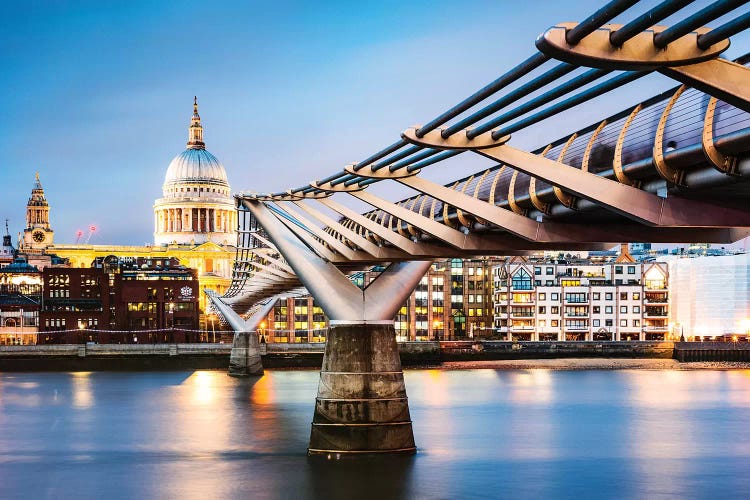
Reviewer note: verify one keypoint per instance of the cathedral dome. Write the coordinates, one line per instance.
(197, 204)
(196, 166)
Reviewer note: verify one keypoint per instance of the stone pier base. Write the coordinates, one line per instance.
(361, 408)
(245, 357)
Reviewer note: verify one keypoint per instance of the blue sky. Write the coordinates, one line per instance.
(97, 96)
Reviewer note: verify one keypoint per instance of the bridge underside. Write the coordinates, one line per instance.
(671, 169)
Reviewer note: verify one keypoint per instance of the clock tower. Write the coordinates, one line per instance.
(38, 234)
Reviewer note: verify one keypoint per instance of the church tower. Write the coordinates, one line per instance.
(38, 234)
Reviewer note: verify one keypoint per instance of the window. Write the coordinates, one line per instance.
(636, 309)
(555, 310)
(522, 280)
(623, 322)
(596, 322)
(607, 309)
(596, 295)
(542, 323)
(575, 298)
(596, 309)
(618, 269)
(555, 323)
(570, 282)
(537, 271)
(623, 295)
(623, 309)
(542, 296)
(636, 322)
(636, 296)
(550, 271)
(576, 324)
(576, 311)
(631, 269)
(555, 296)
(542, 310)
(608, 296)
(607, 322)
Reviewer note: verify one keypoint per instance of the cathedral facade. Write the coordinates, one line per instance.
(197, 204)
(194, 221)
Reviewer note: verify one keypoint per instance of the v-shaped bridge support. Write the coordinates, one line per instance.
(361, 407)
(245, 356)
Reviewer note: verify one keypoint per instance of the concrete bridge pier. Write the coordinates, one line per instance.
(244, 360)
(361, 407)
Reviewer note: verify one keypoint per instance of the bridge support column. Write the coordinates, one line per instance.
(244, 359)
(361, 407)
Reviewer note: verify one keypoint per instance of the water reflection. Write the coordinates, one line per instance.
(480, 433)
(83, 397)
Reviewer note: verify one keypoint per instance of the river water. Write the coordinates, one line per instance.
(481, 434)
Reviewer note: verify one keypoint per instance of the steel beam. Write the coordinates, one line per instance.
(626, 200)
(720, 78)
(326, 283)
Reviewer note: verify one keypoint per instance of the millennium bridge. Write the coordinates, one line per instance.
(673, 168)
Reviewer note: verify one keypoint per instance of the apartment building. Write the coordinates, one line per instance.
(452, 301)
(547, 299)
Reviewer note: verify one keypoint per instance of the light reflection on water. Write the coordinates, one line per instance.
(481, 434)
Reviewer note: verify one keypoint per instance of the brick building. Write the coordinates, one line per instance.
(128, 300)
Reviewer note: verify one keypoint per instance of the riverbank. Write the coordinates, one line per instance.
(448, 355)
(593, 364)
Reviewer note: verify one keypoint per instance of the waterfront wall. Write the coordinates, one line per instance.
(712, 351)
(203, 356)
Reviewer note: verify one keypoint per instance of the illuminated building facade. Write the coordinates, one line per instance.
(38, 234)
(20, 299)
(197, 205)
(128, 300)
(195, 222)
(542, 299)
(452, 301)
(713, 298)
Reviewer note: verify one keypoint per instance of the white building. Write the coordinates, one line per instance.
(714, 295)
(552, 300)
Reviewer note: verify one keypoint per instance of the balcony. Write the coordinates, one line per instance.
(656, 329)
(577, 302)
(528, 302)
(522, 328)
(523, 315)
(573, 316)
(576, 328)
(656, 314)
(656, 302)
